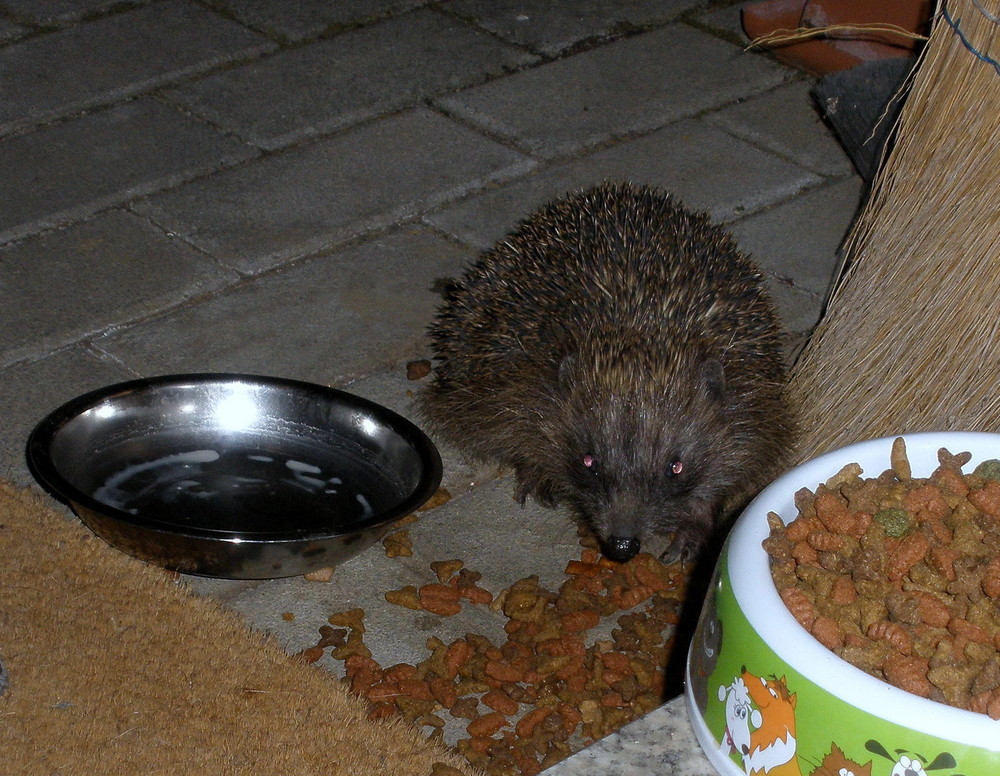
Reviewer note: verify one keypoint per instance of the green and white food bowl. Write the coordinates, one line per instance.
(767, 698)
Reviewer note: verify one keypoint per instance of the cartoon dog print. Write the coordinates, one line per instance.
(740, 715)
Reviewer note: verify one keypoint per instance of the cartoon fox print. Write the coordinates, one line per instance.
(772, 744)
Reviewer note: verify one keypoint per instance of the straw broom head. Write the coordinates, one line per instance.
(911, 337)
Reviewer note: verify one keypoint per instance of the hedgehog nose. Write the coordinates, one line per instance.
(621, 548)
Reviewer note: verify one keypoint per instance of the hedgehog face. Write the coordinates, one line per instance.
(638, 460)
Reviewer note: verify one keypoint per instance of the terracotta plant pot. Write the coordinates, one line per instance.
(829, 54)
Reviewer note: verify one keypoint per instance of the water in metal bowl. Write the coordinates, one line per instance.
(234, 475)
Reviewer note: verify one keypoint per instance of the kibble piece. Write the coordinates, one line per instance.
(398, 544)
(895, 522)
(324, 574)
(406, 596)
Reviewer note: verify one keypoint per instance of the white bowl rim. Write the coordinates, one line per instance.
(758, 598)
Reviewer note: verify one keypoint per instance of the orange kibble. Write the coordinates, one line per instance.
(574, 622)
(828, 632)
(503, 671)
(578, 568)
(443, 691)
(833, 513)
(618, 662)
(527, 724)
(987, 498)
(631, 597)
(909, 550)
(962, 628)
(843, 592)
(311, 654)
(933, 611)
(416, 689)
(400, 671)
(908, 672)
(457, 654)
(893, 634)
(500, 701)
(805, 554)
(383, 691)
(441, 599)
(381, 710)
(487, 725)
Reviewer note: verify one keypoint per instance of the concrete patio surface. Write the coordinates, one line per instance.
(274, 187)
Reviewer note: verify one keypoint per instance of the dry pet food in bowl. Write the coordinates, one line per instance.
(769, 693)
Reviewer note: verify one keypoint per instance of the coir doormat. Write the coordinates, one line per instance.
(114, 668)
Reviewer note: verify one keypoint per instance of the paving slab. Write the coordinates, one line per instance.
(420, 55)
(798, 309)
(800, 240)
(484, 528)
(552, 28)
(392, 389)
(309, 18)
(705, 167)
(70, 170)
(30, 390)
(479, 528)
(726, 21)
(51, 75)
(9, 30)
(629, 86)
(63, 285)
(787, 122)
(328, 319)
(310, 197)
(57, 11)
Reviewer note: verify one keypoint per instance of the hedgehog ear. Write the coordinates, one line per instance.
(714, 377)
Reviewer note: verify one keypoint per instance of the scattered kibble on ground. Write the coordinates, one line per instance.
(549, 689)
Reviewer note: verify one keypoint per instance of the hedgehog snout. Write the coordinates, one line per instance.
(621, 548)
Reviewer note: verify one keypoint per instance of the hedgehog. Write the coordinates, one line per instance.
(621, 355)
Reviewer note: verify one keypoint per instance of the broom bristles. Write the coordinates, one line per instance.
(911, 337)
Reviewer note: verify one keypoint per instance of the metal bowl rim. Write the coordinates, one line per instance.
(41, 465)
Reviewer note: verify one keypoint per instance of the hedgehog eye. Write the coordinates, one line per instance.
(676, 467)
(588, 461)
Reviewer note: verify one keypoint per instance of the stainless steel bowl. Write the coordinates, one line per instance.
(234, 476)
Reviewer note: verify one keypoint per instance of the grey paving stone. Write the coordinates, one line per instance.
(306, 18)
(726, 21)
(328, 319)
(799, 311)
(55, 74)
(58, 11)
(787, 122)
(478, 528)
(707, 168)
(68, 171)
(630, 86)
(63, 285)
(799, 240)
(29, 391)
(391, 389)
(551, 28)
(419, 55)
(304, 199)
(9, 30)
